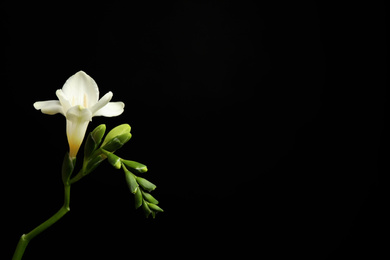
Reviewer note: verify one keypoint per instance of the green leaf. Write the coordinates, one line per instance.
(138, 198)
(136, 166)
(116, 142)
(147, 185)
(67, 168)
(131, 182)
(119, 130)
(149, 198)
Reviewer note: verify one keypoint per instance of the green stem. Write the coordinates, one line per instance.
(26, 238)
(78, 176)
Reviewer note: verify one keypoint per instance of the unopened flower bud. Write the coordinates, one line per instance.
(138, 198)
(147, 185)
(146, 209)
(149, 198)
(117, 142)
(131, 182)
(114, 160)
(93, 140)
(136, 166)
(154, 207)
(116, 131)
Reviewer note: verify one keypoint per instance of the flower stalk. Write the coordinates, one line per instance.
(26, 238)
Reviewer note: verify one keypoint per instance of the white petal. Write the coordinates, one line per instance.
(76, 126)
(111, 109)
(50, 107)
(75, 132)
(101, 103)
(79, 113)
(81, 89)
(63, 100)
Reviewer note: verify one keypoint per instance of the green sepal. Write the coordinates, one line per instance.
(136, 166)
(147, 185)
(131, 182)
(93, 140)
(146, 209)
(154, 207)
(114, 160)
(67, 168)
(94, 162)
(149, 198)
(116, 142)
(119, 130)
(138, 198)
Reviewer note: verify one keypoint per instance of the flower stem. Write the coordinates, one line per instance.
(78, 176)
(26, 238)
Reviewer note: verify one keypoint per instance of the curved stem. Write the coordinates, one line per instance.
(26, 238)
(78, 176)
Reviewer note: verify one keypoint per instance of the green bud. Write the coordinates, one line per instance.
(138, 198)
(93, 140)
(119, 130)
(154, 207)
(136, 166)
(98, 133)
(131, 182)
(146, 209)
(149, 198)
(67, 167)
(114, 160)
(116, 142)
(147, 185)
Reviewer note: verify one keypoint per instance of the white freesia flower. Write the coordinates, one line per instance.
(79, 102)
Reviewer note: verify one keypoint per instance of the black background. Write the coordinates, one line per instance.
(260, 124)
